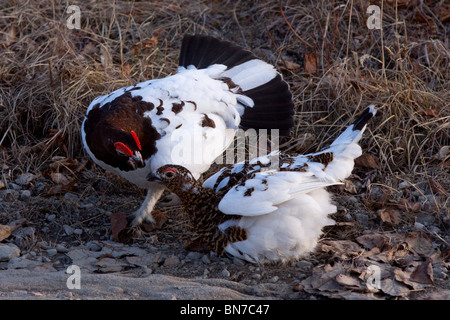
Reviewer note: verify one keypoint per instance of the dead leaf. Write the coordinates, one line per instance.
(6, 230)
(310, 63)
(394, 288)
(437, 187)
(291, 66)
(348, 282)
(408, 206)
(340, 247)
(11, 36)
(372, 240)
(367, 161)
(59, 178)
(89, 49)
(420, 243)
(443, 153)
(423, 273)
(429, 113)
(119, 224)
(390, 216)
(145, 46)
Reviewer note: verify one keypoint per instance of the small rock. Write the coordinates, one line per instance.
(61, 249)
(205, 259)
(403, 185)
(362, 218)
(8, 251)
(418, 226)
(353, 199)
(93, 246)
(256, 276)
(52, 252)
(297, 287)
(78, 231)
(51, 217)
(10, 195)
(171, 261)
(304, 265)
(25, 195)
(71, 197)
(24, 179)
(225, 273)
(68, 229)
(193, 255)
(274, 279)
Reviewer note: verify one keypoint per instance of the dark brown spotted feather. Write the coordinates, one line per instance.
(201, 207)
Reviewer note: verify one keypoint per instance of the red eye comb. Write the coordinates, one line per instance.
(170, 170)
(136, 139)
(123, 148)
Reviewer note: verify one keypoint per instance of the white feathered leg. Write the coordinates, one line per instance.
(144, 213)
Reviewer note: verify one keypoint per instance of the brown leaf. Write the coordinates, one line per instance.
(6, 230)
(119, 226)
(367, 161)
(437, 187)
(420, 243)
(291, 66)
(408, 206)
(423, 273)
(310, 63)
(429, 113)
(59, 178)
(372, 240)
(348, 282)
(390, 216)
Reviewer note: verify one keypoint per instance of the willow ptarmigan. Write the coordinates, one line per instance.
(219, 87)
(261, 214)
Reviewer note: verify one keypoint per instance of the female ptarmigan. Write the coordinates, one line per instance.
(260, 214)
(188, 118)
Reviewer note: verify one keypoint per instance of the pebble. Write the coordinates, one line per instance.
(68, 229)
(8, 251)
(403, 185)
(274, 279)
(78, 231)
(193, 255)
(61, 249)
(362, 218)
(225, 273)
(51, 217)
(205, 259)
(24, 179)
(52, 252)
(25, 195)
(171, 261)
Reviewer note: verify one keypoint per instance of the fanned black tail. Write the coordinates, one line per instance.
(273, 106)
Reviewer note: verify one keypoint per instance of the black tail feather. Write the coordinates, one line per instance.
(273, 106)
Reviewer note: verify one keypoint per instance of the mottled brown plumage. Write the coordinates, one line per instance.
(200, 205)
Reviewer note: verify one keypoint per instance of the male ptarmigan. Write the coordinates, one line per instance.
(188, 118)
(260, 214)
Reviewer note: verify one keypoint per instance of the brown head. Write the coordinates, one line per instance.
(176, 178)
(119, 135)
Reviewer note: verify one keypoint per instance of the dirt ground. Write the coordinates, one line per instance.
(391, 238)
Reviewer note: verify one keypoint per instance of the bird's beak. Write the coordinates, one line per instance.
(153, 177)
(136, 161)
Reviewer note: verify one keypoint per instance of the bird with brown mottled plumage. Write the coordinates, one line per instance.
(261, 213)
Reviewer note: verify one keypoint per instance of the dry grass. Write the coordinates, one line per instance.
(49, 73)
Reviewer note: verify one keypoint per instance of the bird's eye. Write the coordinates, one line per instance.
(169, 174)
(120, 153)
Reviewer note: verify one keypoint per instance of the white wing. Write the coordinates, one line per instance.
(266, 190)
